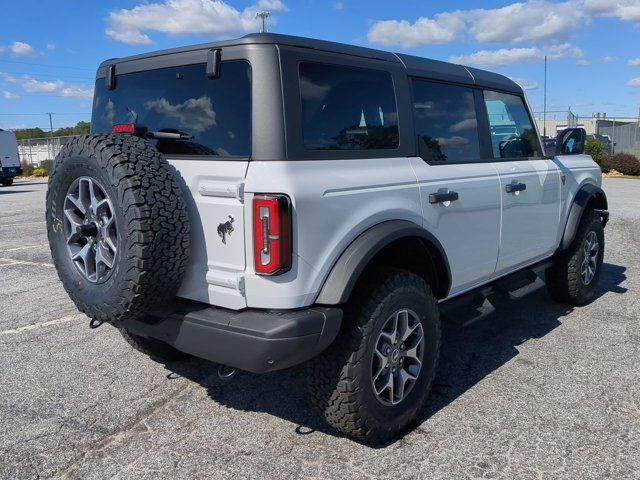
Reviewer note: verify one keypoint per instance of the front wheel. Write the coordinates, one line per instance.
(574, 274)
(7, 182)
(372, 382)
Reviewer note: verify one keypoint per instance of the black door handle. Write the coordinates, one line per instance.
(443, 197)
(515, 187)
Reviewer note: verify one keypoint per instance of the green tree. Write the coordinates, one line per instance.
(596, 150)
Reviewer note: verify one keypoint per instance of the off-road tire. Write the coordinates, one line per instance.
(151, 218)
(563, 278)
(340, 378)
(156, 350)
(7, 182)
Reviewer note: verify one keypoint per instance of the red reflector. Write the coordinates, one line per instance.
(271, 234)
(123, 128)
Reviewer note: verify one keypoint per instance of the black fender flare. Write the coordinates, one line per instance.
(343, 276)
(588, 194)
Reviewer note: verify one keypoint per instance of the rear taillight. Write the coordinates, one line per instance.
(271, 234)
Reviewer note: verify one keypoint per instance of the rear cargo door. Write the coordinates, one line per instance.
(202, 124)
(8, 150)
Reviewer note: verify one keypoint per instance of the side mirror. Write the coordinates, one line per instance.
(571, 141)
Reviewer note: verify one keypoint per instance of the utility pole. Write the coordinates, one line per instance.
(50, 144)
(263, 15)
(544, 114)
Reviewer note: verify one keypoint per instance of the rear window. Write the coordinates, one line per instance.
(214, 113)
(445, 121)
(346, 108)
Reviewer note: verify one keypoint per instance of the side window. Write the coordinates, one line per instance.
(345, 108)
(512, 134)
(445, 122)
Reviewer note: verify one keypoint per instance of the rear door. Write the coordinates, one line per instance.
(460, 190)
(529, 183)
(203, 127)
(9, 158)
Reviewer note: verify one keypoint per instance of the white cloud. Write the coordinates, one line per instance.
(9, 96)
(58, 87)
(634, 62)
(510, 56)
(185, 17)
(51, 47)
(525, 84)
(609, 59)
(195, 114)
(18, 49)
(634, 83)
(583, 63)
(533, 20)
(519, 22)
(338, 5)
(625, 10)
(424, 31)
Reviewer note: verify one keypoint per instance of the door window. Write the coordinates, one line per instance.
(512, 132)
(346, 108)
(445, 122)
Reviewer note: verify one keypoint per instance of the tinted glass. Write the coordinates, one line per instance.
(216, 113)
(445, 121)
(512, 134)
(347, 108)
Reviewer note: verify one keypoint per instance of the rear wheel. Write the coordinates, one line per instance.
(574, 275)
(373, 380)
(7, 182)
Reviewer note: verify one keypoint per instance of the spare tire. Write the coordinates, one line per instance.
(117, 226)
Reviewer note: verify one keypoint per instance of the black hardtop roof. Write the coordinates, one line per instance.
(416, 66)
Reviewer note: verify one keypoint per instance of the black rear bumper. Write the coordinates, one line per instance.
(254, 340)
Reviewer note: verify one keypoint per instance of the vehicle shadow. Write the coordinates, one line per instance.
(476, 342)
(6, 191)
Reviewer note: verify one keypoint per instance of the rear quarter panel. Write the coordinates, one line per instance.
(333, 202)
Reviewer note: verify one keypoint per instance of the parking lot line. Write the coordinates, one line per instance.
(26, 247)
(6, 262)
(69, 318)
(23, 223)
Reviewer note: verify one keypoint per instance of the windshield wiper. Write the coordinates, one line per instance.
(169, 135)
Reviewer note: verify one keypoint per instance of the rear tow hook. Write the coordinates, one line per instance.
(226, 373)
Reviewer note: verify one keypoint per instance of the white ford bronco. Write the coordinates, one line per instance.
(274, 200)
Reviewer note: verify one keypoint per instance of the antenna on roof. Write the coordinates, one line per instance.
(263, 15)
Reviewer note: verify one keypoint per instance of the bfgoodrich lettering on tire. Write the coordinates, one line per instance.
(117, 226)
(373, 380)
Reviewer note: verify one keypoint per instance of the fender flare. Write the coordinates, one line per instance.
(587, 193)
(343, 276)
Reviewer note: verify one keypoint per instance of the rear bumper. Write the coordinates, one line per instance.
(10, 172)
(254, 340)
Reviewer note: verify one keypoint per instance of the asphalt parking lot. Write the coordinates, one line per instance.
(529, 389)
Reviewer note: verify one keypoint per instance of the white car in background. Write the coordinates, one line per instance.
(9, 159)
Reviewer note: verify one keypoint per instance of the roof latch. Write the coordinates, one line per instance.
(110, 79)
(213, 63)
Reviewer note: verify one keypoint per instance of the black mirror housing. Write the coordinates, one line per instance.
(571, 141)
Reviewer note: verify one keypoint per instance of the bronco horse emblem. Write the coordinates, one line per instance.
(225, 229)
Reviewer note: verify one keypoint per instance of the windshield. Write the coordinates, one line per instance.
(210, 116)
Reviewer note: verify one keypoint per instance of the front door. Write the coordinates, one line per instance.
(460, 192)
(529, 184)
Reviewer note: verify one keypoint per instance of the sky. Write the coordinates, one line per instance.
(50, 49)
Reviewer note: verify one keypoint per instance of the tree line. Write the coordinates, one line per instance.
(79, 129)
